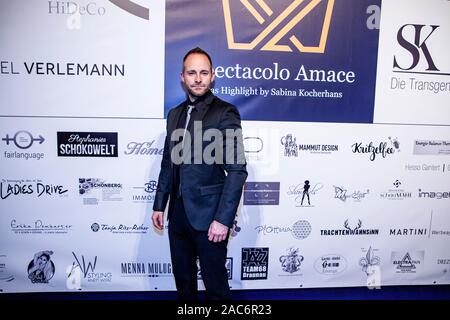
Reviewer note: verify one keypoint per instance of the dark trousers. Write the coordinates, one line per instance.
(186, 244)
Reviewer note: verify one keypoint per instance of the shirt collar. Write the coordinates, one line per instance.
(203, 100)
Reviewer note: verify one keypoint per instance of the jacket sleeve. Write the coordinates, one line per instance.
(165, 176)
(234, 165)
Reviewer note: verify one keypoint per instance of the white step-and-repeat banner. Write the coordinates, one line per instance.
(346, 123)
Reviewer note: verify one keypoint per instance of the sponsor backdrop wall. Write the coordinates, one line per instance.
(345, 109)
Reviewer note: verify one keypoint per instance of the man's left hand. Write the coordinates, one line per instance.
(217, 232)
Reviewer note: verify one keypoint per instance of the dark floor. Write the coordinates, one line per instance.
(431, 292)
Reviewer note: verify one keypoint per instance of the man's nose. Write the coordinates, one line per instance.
(197, 78)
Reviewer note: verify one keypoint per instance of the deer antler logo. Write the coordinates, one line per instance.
(354, 229)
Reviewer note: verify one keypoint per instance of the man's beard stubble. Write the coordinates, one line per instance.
(193, 94)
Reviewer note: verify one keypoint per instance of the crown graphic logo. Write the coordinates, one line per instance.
(264, 15)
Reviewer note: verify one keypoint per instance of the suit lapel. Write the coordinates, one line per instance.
(173, 124)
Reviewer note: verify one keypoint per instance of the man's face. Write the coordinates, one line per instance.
(197, 75)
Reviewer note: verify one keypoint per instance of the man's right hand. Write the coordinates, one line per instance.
(158, 219)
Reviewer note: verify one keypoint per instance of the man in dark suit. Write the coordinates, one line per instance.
(205, 187)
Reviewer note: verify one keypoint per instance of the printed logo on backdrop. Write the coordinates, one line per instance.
(132, 8)
(270, 22)
(253, 147)
(291, 262)
(228, 266)
(21, 141)
(261, 193)
(428, 167)
(312, 61)
(302, 193)
(146, 148)
(431, 147)
(413, 231)
(5, 274)
(87, 144)
(438, 195)
(417, 64)
(74, 11)
(290, 145)
(33, 188)
(299, 230)
(145, 193)
(341, 193)
(370, 265)
(59, 69)
(396, 193)
(145, 269)
(351, 228)
(439, 230)
(41, 268)
(120, 228)
(330, 264)
(94, 190)
(89, 272)
(408, 231)
(375, 150)
(39, 226)
(79, 268)
(254, 263)
(318, 148)
(409, 262)
(445, 263)
(292, 149)
(73, 281)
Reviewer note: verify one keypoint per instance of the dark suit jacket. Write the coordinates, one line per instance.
(210, 191)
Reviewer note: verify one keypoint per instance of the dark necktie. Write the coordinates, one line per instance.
(188, 117)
